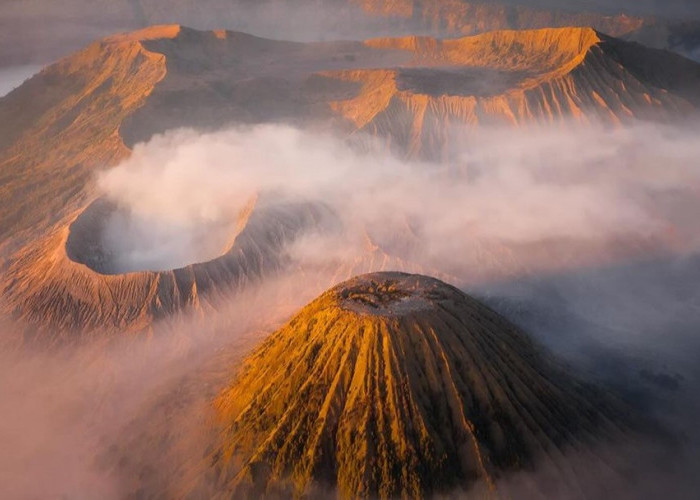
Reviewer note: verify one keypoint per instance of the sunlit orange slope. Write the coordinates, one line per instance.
(418, 95)
(511, 77)
(399, 386)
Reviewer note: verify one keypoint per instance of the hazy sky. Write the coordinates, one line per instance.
(12, 77)
(671, 8)
(43, 30)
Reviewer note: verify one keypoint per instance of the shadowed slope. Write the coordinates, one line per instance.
(682, 37)
(396, 385)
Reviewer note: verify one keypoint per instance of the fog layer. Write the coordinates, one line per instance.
(515, 200)
(584, 235)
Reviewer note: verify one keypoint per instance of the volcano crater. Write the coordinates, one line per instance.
(111, 239)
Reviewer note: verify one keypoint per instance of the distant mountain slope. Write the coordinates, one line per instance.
(418, 94)
(515, 77)
(44, 30)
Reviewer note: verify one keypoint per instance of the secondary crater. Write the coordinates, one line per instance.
(111, 239)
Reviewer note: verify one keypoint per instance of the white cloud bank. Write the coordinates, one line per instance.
(509, 193)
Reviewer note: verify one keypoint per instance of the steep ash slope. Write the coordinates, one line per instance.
(394, 385)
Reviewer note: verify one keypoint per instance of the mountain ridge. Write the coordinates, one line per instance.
(420, 96)
(77, 23)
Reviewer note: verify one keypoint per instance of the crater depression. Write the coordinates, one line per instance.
(111, 239)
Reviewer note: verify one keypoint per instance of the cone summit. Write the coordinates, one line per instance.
(395, 385)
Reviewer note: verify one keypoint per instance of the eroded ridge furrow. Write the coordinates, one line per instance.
(394, 385)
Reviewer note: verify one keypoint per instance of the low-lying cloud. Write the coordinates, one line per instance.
(507, 195)
(128, 416)
(584, 235)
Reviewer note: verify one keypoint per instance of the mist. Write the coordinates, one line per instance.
(513, 201)
(583, 235)
(595, 221)
(91, 420)
(41, 31)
